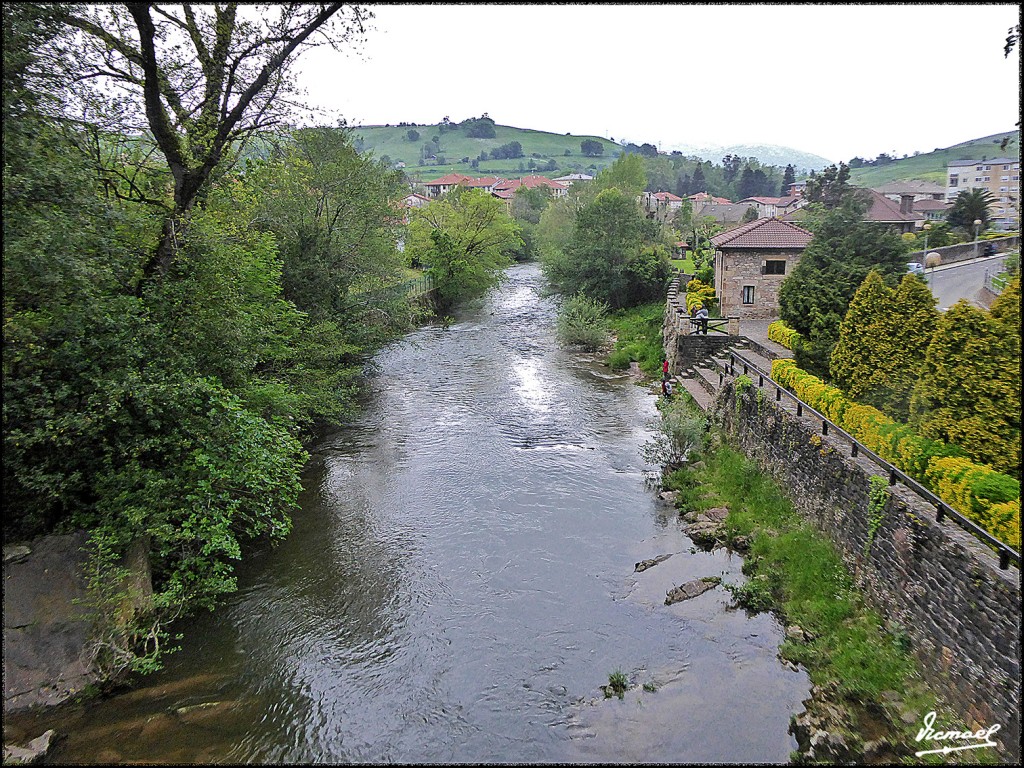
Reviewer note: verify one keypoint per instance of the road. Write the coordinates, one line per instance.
(962, 280)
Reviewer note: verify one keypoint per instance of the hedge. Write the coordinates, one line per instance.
(989, 498)
(782, 334)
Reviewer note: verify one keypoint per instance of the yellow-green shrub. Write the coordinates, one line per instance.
(986, 496)
(782, 334)
(698, 292)
(990, 498)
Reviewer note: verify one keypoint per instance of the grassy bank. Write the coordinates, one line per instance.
(861, 667)
(638, 339)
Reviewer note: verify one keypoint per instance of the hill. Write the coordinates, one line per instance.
(931, 166)
(766, 154)
(456, 151)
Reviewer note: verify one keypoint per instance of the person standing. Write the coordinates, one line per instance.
(702, 320)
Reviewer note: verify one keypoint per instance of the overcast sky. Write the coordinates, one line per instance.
(836, 80)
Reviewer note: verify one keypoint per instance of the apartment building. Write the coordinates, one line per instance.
(999, 175)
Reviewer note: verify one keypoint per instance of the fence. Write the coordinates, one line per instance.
(942, 508)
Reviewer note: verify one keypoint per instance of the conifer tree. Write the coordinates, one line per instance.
(859, 359)
(969, 390)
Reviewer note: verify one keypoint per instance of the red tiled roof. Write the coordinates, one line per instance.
(451, 178)
(882, 209)
(762, 200)
(668, 196)
(483, 181)
(529, 182)
(704, 197)
(764, 233)
(931, 205)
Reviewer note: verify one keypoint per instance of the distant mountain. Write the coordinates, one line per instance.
(766, 154)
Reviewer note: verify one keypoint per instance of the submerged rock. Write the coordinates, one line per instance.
(691, 589)
(32, 753)
(643, 565)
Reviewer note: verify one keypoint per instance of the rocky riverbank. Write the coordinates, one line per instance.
(47, 632)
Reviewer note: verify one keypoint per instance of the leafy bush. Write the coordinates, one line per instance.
(683, 429)
(583, 322)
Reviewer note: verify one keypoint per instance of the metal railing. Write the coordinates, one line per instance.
(942, 508)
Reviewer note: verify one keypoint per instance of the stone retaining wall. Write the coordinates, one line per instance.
(951, 254)
(932, 581)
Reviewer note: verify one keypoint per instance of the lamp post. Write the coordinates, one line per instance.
(977, 233)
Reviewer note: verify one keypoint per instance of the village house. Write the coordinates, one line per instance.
(751, 261)
(881, 210)
(573, 177)
(506, 188)
(446, 183)
(921, 190)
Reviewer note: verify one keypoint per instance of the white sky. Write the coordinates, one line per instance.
(836, 80)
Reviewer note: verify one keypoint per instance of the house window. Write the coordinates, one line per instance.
(775, 267)
(748, 294)
(953, 181)
(1006, 167)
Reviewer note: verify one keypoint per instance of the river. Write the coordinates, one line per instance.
(459, 584)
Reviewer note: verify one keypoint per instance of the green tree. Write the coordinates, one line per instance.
(969, 390)
(223, 82)
(788, 178)
(466, 238)
(614, 255)
(970, 206)
(412, 134)
(831, 188)
(882, 343)
(814, 297)
(627, 174)
(591, 148)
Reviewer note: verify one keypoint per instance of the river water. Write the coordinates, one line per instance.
(459, 584)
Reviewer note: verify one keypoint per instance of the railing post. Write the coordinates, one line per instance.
(778, 394)
(892, 477)
(854, 453)
(940, 512)
(799, 408)
(824, 427)
(760, 380)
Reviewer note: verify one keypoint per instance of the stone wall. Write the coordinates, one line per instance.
(952, 254)
(933, 581)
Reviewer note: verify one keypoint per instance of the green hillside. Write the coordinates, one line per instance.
(540, 147)
(932, 166)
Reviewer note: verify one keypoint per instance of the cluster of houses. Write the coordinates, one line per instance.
(753, 258)
(503, 189)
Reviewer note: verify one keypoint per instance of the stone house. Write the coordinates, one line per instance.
(751, 262)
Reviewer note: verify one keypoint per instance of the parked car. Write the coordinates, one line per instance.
(915, 267)
(990, 249)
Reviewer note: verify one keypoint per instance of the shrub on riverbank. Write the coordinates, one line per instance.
(583, 322)
(638, 338)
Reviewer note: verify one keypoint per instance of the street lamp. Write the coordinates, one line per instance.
(977, 233)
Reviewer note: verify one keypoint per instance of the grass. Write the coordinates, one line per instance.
(798, 574)
(618, 683)
(687, 265)
(638, 338)
(931, 166)
(539, 146)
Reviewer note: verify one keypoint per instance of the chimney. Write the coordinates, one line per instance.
(906, 203)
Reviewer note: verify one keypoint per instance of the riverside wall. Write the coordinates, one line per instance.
(931, 581)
